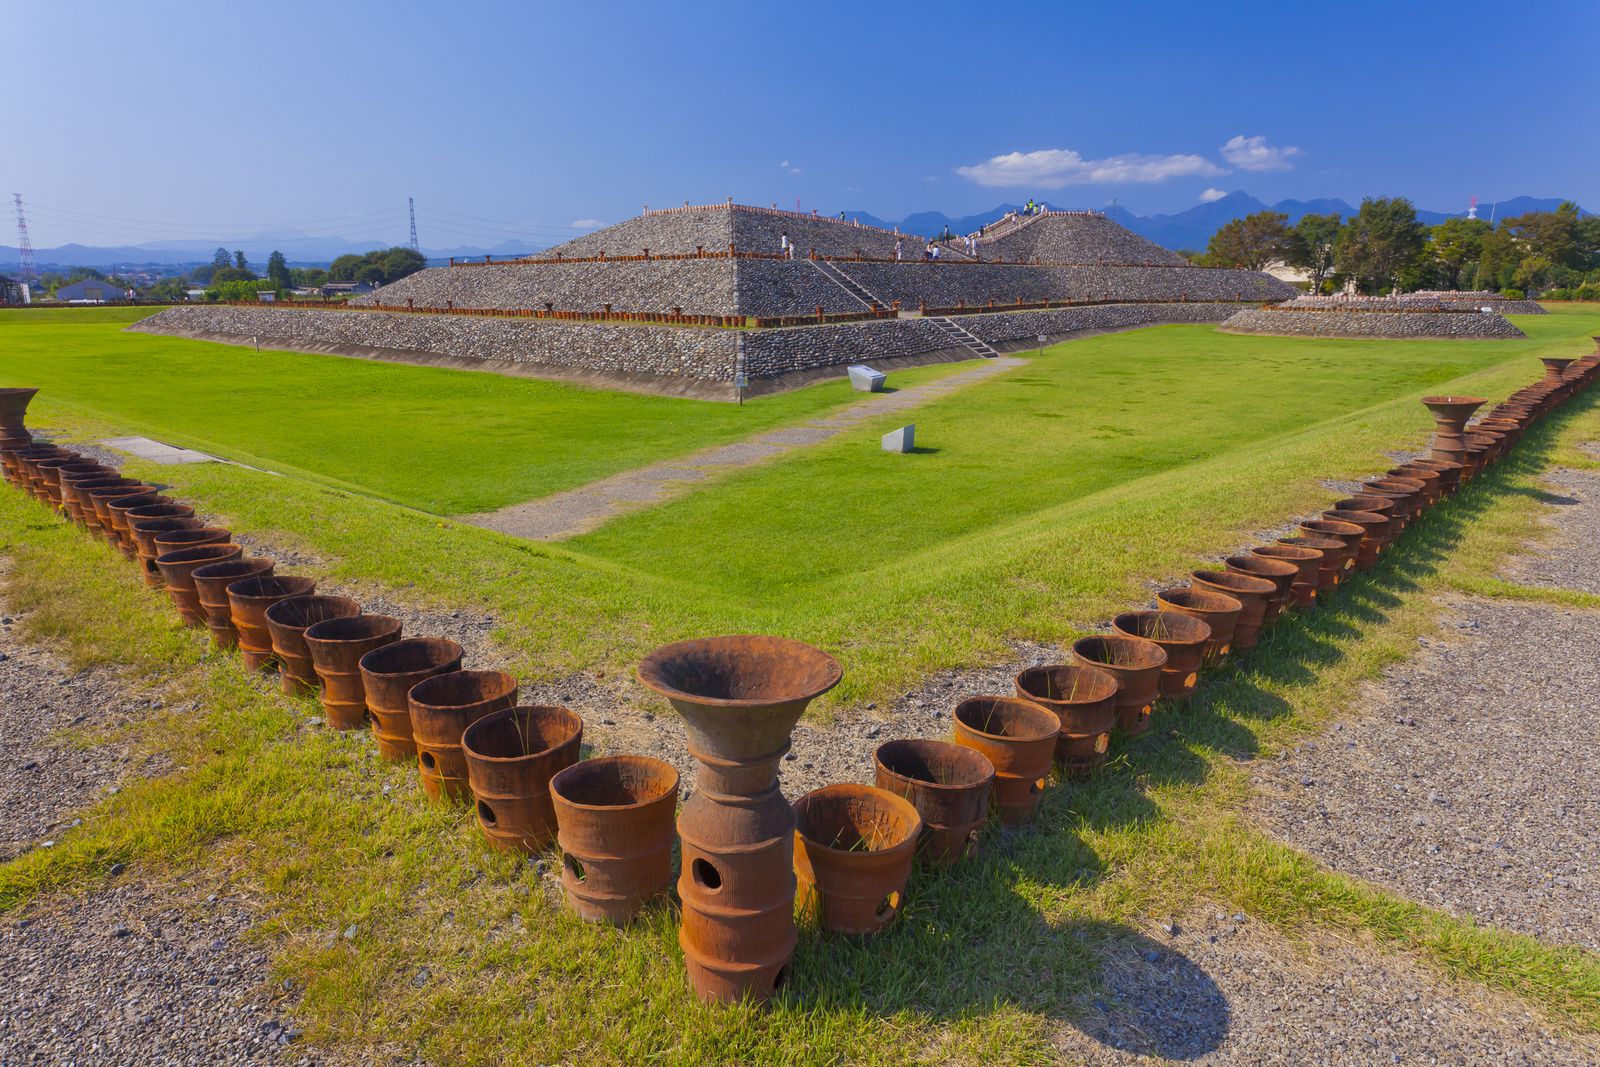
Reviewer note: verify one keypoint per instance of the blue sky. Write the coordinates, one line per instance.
(141, 122)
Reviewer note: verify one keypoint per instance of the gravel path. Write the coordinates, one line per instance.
(136, 976)
(1224, 989)
(1571, 558)
(575, 511)
(45, 775)
(1469, 785)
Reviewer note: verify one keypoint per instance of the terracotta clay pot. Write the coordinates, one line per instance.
(336, 647)
(47, 484)
(1019, 738)
(739, 697)
(102, 499)
(1181, 636)
(1217, 610)
(1432, 485)
(1346, 533)
(117, 512)
(32, 461)
(1331, 554)
(84, 492)
(1084, 699)
(387, 675)
(1253, 595)
(146, 523)
(1408, 495)
(14, 401)
(1450, 415)
(1280, 573)
(442, 707)
(614, 825)
(1307, 563)
(1136, 664)
(1374, 529)
(19, 464)
(1449, 473)
(1555, 369)
(78, 483)
(177, 574)
(287, 622)
(852, 855)
(211, 589)
(172, 540)
(948, 785)
(511, 757)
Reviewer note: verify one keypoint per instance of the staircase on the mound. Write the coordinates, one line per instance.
(960, 335)
(847, 283)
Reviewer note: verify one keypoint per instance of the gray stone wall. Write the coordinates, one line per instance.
(946, 284)
(699, 286)
(1373, 324)
(1027, 325)
(1077, 239)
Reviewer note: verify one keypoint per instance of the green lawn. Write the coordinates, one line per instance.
(440, 440)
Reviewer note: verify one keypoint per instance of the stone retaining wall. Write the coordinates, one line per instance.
(699, 286)
(947, 284)
(1372, 324)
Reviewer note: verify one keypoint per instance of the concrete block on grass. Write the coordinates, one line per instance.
(866, 380)
(902, 440)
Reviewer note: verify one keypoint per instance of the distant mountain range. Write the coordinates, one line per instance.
(1189, 229)
(1192, 228)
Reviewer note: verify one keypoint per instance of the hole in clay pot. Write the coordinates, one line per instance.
(573, 866)
(705, 875)
(780, 979)
(486, 813)
(427, 760)
(1102, 742)
(888, 907)
(1191, 681)
(1036, 788)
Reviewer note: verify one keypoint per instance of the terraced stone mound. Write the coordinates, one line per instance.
(1395, 323)
(1072, 237)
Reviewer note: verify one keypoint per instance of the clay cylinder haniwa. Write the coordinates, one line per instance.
(287, 622)
(1374, 528)
(1280, 573)
(117, 512)
(1019, 738)
(1136, 664)
(442, 707)
(614, 825)
(1251, 593)
(211, 589)
(1217, 610)
(511, 757)
(336, 647)
(77, 478)
(146, 524)
(1181, 636)
(740, 697)
(387, 675)
(248, 601)
(177, 573)
(1349, 536)
(1084, 699)
(853, 850)
(1307, 562)
(100, 499)
(948, 785)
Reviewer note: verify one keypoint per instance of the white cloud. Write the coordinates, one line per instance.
(784, 164)
(1212, 194)
(586, 224)
(1053, 168)
(794, 170)
(1253, 153)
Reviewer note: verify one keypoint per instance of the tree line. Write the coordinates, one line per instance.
(229, 275)
(1385, 248)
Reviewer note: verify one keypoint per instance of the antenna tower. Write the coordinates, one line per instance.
(30, 271)
(1472, 209)
(411, 203)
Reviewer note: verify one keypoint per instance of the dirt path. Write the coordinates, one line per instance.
(576, 511)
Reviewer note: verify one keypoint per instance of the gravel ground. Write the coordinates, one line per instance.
(1571, 558)
(45, 777)
(1217, 988)
(1469, 783)
(139, 976)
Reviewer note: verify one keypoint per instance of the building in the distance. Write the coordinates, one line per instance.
(93, 291)
(12, 292)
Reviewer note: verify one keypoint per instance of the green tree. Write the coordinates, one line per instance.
(231, 274)
(220, 258)
(1383, 239)
(1251, 242)
(307, 276)
(1452, 245)
(399, 262)
(1497, 263)
(1311, 246)
(240, 262)
(278, 271)
(344, 268)
(1559, 236)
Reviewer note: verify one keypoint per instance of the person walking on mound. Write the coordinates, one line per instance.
(785, 247)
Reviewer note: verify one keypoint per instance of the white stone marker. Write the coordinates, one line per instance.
(866, 380)
(902, 440)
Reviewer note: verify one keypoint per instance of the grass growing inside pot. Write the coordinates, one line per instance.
(464, 953)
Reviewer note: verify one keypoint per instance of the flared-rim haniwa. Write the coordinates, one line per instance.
(707, 671)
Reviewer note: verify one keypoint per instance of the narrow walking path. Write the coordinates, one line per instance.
(576, 511)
